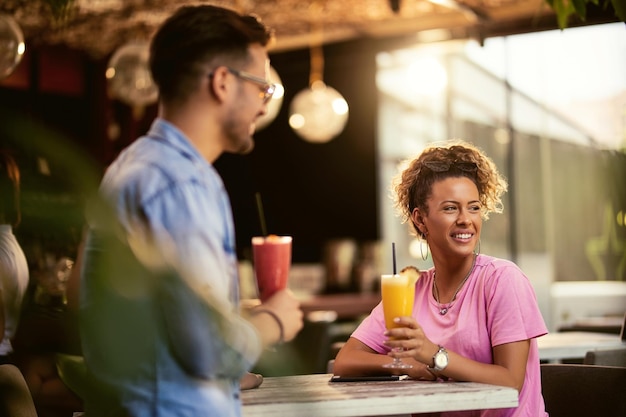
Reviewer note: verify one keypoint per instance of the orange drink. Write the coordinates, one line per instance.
(398, 293)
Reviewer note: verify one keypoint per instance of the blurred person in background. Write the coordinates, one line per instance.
(14, 274)
(161, 327)
(30, 345)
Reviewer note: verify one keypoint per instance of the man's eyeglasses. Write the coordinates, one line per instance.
(267, 89)
(441, 166)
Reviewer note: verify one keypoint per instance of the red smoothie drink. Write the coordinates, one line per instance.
(272, 260)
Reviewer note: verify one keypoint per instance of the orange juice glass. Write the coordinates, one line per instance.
(398, 293)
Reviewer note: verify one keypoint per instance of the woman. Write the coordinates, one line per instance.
(475, 317)
(14, 273)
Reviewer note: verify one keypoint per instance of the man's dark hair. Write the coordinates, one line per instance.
(9, 189)
(195, 37)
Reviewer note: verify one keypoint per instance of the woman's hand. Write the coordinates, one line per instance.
(508, 369)
(411, 337)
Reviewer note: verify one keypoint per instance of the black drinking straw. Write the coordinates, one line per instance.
(259, 208)
(393, 254)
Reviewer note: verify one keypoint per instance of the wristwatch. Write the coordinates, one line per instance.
(440, 360)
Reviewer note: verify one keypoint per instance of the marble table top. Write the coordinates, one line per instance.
(314, 396)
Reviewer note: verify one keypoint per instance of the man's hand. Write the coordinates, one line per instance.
(250, 381)
(285, 305)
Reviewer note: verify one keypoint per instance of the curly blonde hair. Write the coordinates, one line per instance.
(413, 185)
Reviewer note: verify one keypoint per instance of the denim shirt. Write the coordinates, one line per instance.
(160, 326)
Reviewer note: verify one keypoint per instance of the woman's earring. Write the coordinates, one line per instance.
(422, 244)
(477, 252)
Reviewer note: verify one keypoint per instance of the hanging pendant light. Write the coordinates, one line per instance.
(129, 75)
(318, 113)
(12, 45)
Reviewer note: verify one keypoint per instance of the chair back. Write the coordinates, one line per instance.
(15, 397)
(606, 357)
(575, 390)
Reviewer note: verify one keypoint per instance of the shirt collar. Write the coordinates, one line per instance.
(167, 132)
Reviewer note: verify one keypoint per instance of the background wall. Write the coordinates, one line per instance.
(314, 192)
(57, 117)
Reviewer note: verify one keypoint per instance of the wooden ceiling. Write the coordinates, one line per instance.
(100, 26)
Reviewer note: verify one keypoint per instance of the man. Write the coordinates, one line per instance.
(160, 323)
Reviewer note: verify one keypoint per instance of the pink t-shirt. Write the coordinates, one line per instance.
(496, 305)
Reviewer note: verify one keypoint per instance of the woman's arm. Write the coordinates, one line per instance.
(356, 358)
(508, 369)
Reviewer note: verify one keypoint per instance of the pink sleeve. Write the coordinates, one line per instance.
(512, 310)
(371, 330)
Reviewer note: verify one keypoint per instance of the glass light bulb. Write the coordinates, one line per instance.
(318, 113)
(12, 45)
(129, 75)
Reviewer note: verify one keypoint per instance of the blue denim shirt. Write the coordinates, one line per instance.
(160, 327)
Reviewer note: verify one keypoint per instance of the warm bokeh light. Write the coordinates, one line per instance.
(12, 45)
(426, 76)
(129, 75)
(318, 113)
(274, 105)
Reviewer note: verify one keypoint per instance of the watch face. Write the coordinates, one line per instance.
(441, 360)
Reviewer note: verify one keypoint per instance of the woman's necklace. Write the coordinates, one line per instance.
(444, 309)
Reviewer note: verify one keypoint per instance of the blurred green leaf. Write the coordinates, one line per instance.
(580, 8)
(564, 9)
(620, 9)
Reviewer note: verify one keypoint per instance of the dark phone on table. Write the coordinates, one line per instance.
(339, 378)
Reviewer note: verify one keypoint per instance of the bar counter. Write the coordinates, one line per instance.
(348, 306)
(314, 396)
